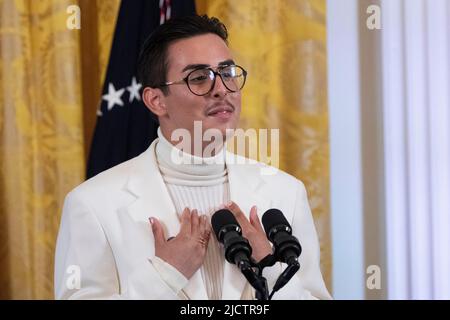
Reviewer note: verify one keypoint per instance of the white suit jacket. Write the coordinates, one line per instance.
(105, 243)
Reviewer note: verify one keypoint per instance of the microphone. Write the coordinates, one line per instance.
(228, 232)
(279, 232)
(238, 250)
(287, 246)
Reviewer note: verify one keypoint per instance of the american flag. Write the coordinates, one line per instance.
(125, 127)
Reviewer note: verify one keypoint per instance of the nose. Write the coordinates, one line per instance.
(219, 90)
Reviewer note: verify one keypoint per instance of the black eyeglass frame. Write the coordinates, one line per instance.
(216, 73)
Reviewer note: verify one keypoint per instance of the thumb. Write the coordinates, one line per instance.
(157, 230)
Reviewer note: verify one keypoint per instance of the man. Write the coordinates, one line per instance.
(141, 229)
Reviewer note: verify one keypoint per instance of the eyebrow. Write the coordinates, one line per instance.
(202, 65)
(226, 62)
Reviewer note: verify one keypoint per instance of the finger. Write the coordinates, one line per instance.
(206, 227)
(194, 222)
(202, 224)
(158, 232)
(204, 232)
(239, 215)
(254, 219)
(186, 222)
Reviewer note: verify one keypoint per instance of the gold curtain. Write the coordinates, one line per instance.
(282, 44)
(47, 80)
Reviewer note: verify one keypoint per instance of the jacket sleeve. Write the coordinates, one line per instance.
(84, 262)
(307, 283)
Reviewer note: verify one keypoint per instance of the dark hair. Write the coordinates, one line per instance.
(152, 62)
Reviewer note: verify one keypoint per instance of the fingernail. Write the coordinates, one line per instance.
(229, 203)
(151, 220)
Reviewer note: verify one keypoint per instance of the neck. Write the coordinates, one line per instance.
(178, 167)
(194, 144)
(170, 156)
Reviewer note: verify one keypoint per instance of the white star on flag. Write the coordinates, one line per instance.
(134, 90)
(113, 96)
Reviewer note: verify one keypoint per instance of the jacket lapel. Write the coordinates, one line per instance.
(153, 200)
(246, 191)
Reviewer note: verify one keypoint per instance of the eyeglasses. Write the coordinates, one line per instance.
(201, 81)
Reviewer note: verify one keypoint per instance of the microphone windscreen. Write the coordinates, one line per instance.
(222, 218)
(272, 218)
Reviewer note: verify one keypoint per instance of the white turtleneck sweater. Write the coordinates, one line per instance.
(196, 183)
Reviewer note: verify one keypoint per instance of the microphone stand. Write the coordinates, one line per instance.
(256, 280)
(288, 273)
(285, 276)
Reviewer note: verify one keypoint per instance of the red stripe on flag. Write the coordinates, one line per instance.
(165, 10)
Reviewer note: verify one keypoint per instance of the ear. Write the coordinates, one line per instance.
(154, 100)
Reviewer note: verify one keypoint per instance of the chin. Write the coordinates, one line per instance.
(221, 126)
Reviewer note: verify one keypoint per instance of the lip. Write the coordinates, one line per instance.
(220, 110)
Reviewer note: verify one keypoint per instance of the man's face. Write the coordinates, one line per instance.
(218, 109)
